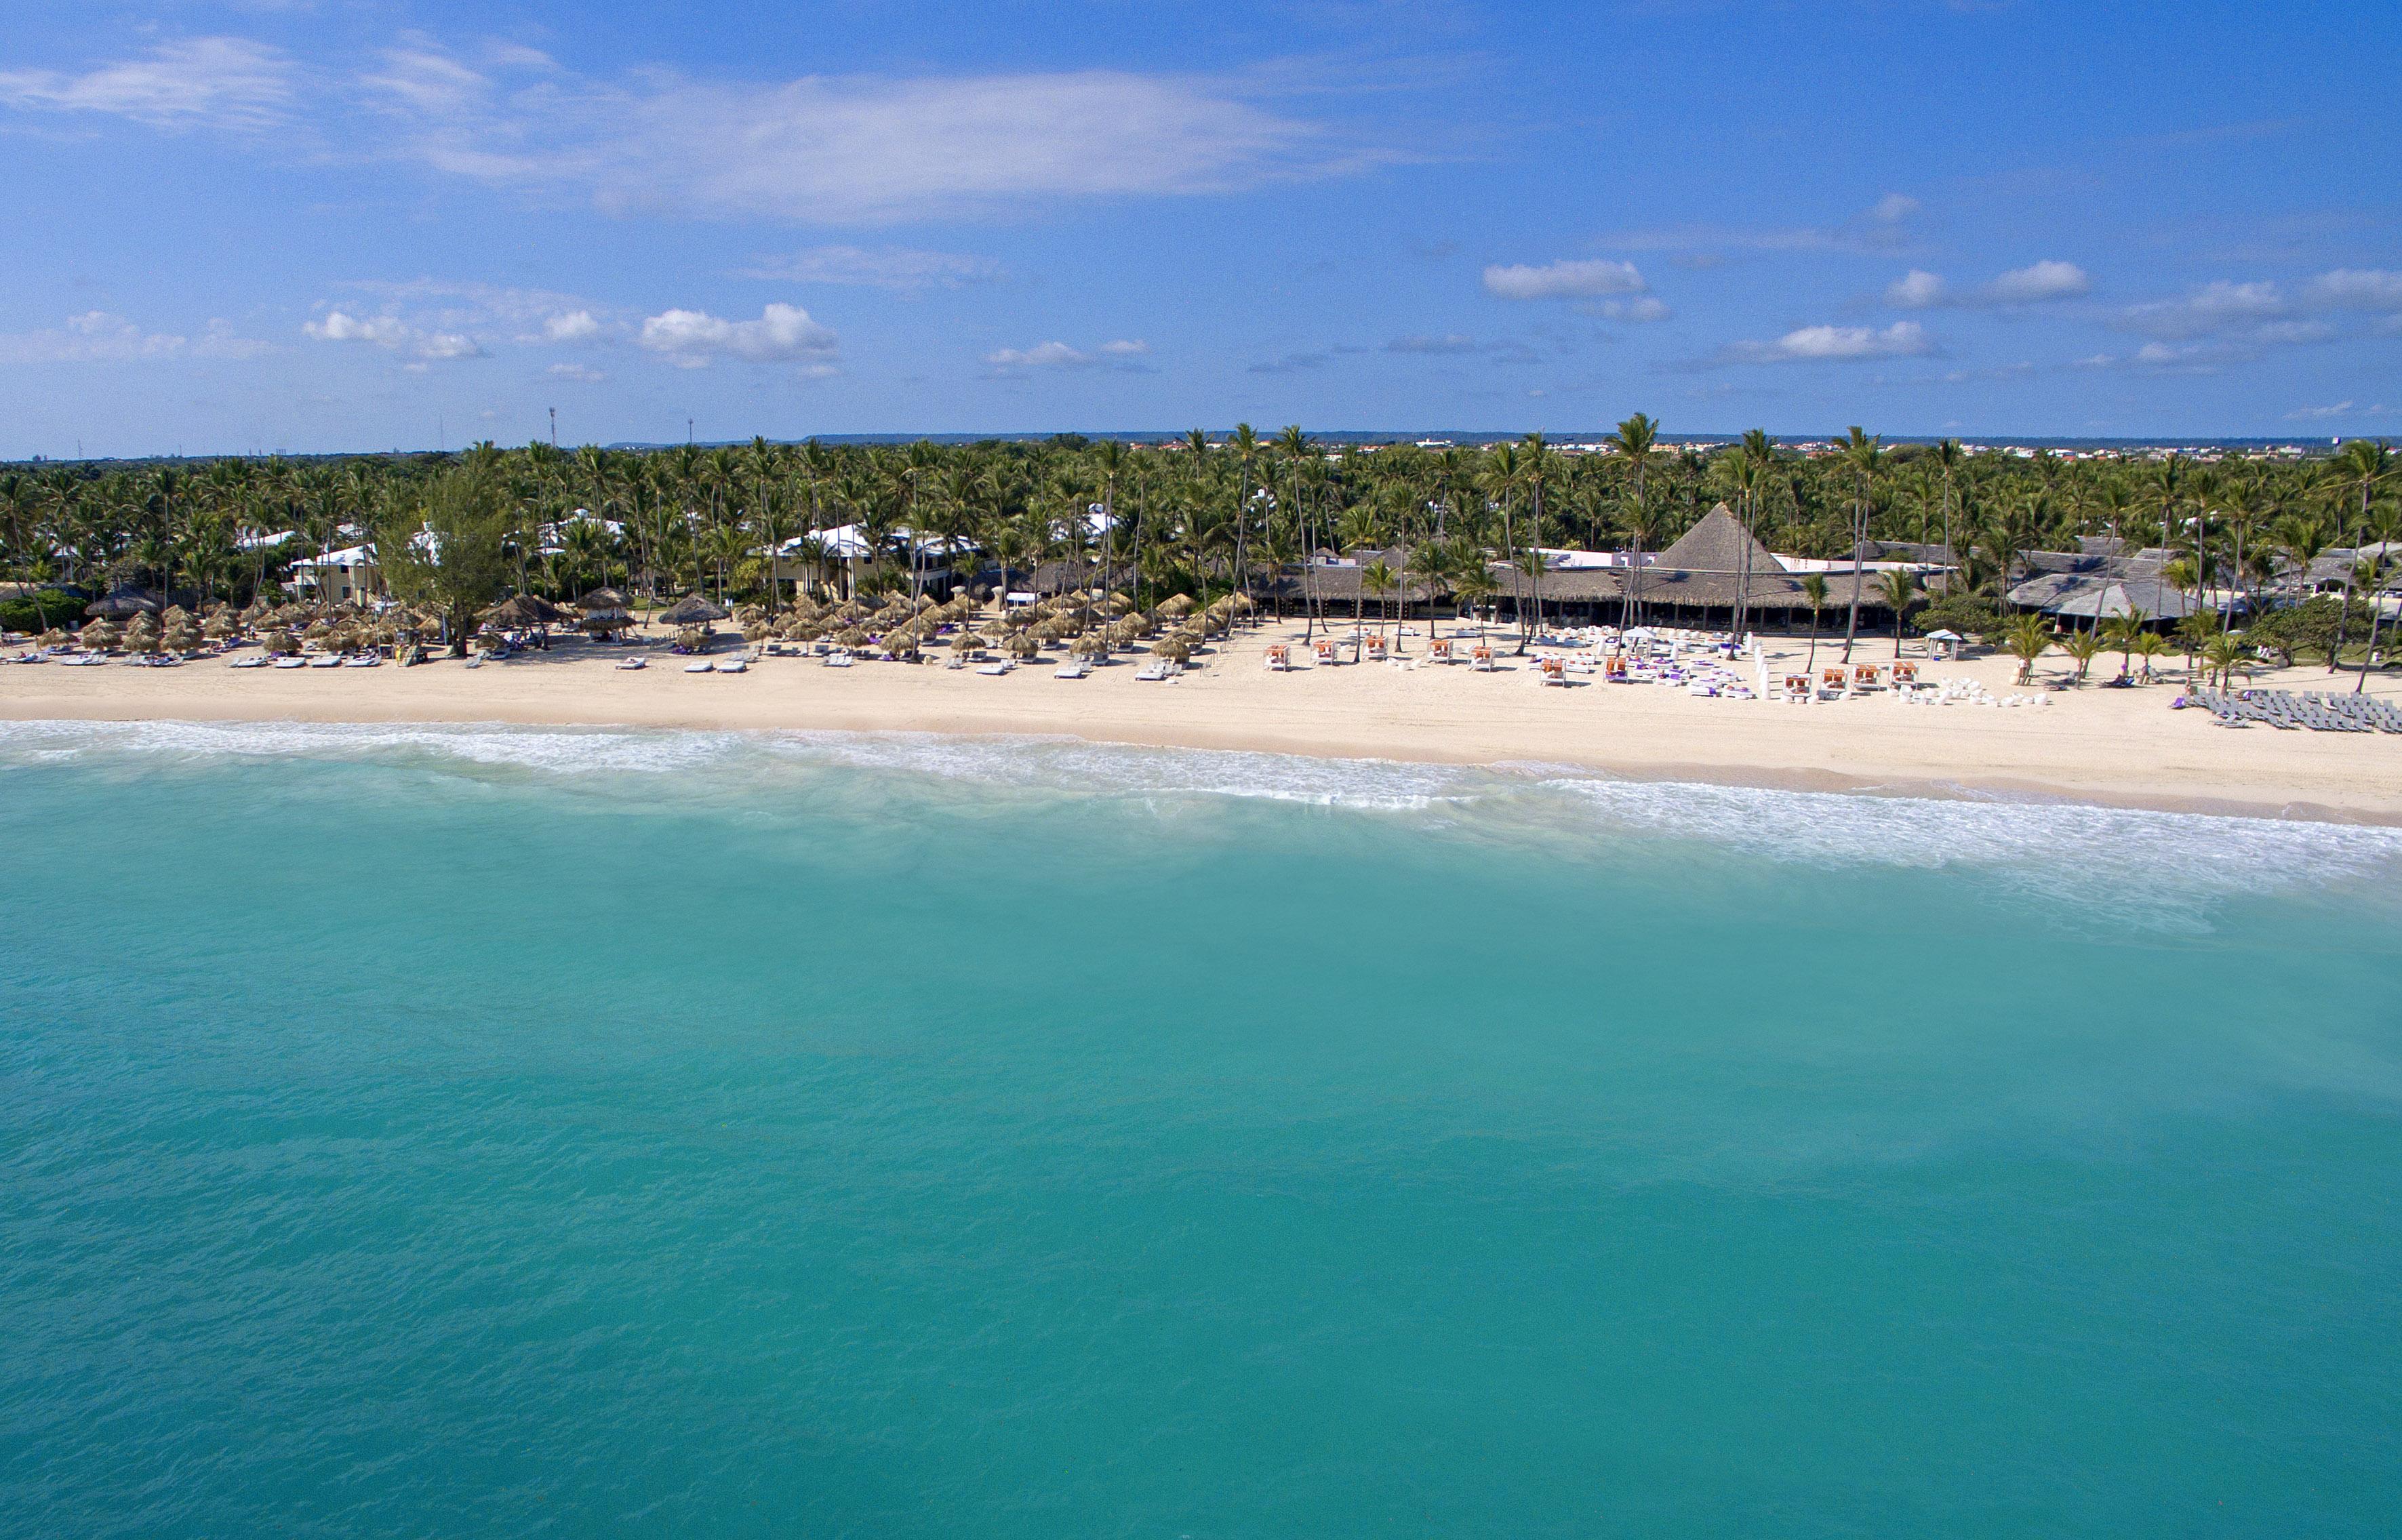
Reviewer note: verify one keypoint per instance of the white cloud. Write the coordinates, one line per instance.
(2319, 414)
(394, 335)
(1643, 309)
(1564, 279)
(782, 333)
(1916, 290)
(581, 374)
(1920, 290)
(2357, 288)
(573, 327)
(2212, 309)
(1121, 354)
(843, 148)
(1815, 344)
(1893, 208)
(896, 267)
(2039, 281)
(1455, 343)
(195, 82)
(99, 337)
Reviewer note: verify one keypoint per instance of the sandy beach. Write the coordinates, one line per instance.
(2119, 747)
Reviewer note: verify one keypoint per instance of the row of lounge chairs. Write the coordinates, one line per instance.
(2290, 711)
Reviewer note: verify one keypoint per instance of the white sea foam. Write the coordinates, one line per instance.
(2064, 850)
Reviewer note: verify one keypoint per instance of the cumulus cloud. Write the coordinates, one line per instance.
(573, 327)
(1566, 278)
(392, 334)
(2039, 281)
(2357, 288)
(1637, 311)
(2214, 309)
(847, 149)
(100, 336)
(783, 334)
(2034, 284)
(896, 267)
(1820, 344)
(1893, 208)
(1120, 354)
(197, 82)
(1454, 343)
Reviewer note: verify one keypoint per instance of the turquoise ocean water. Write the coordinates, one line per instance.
(419, 1131)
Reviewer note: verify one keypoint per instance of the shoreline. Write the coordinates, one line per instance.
(2086, 747)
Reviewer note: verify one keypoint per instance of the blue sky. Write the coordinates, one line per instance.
(367, 223)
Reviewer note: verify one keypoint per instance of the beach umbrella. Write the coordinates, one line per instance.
(1172, 648)
(1023, 645)
(756, 631)
(692, 637)
(53, 638)
(967, 643)
(1090, 647)
(175, 612)
(604, 598)
(221, 625)
(121, 604)
(749, 614)
(853, 636)
(691, 610)
(280, 643)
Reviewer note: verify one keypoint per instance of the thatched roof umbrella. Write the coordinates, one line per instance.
(141, 641)
(254, 611)
(691, 610)
(221, 625)
(757, 630)
(603, 621)
(808, 630)
(692, 637)
(967, 644)
(185, 637)
(749, 614)
(1172, 648)
(120, 605)
(604, 598)
(1022, 645)
(1093, 646)
(280, 643)
(53, 638)
(514, 614)
(851, 636)
(173, 613)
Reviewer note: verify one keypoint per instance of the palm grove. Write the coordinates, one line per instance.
(1206, 517)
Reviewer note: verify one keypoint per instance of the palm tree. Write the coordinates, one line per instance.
(2081, 646)
(2124, 632)
(1863, 453)
(1900, 587)
(2027, 637)
(1378, 579)
(1430, 566)
(2385, 528)
(1635, 439)
(2223, 652)
(1814, 593)
(2360, 466)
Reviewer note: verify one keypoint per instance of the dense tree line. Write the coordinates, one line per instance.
(1198, 515)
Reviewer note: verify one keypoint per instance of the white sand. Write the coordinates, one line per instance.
(2122, 747)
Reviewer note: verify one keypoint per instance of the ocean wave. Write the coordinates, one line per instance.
(2059, 849)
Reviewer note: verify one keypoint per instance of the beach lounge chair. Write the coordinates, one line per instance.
(1438, 651)
(997, 666)
(1151, 673)
(1323, 651)
(636, 661)
(1074, 668)
(1280, 657)
(255, 660)
(1905, 673)
(1867, 675)
(700, 666)
(838, 658)
(732, 665)
(291, 663)
(1376, 651)
(1481, 659)
(1797, 687)
(1552, 670)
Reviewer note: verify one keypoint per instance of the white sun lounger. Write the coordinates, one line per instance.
(732, 665)
(636, 661)
(702, 666)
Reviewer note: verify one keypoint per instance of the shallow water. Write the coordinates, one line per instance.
(487, 1131)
